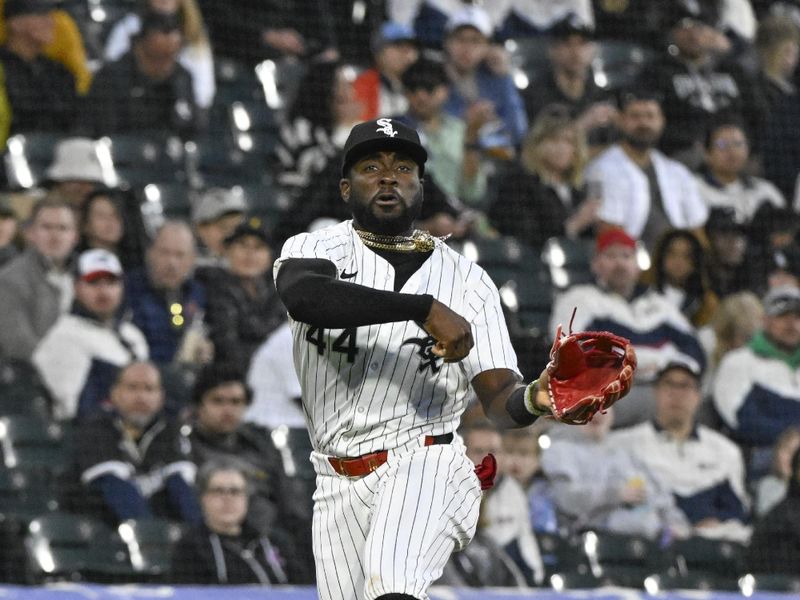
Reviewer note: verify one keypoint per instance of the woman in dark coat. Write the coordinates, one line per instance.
(223, 550)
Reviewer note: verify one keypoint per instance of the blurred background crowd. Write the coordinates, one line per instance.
(636, 159)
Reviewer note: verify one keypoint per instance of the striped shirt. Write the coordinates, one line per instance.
(379, 386)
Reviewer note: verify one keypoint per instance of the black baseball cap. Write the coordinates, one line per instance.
(383, 135)
(252, 226)
(571, 25)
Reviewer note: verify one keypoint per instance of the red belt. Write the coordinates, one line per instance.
(367, 463)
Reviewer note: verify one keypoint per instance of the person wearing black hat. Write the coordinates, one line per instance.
(147, 89)
(727, 248)
(42, 93)
(243, 307)
(394, 332)
(569, 81)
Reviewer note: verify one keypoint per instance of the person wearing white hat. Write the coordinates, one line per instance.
(79, 357)
(80, 166)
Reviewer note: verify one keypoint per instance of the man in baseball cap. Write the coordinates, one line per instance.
(79, 355)
(383, 135)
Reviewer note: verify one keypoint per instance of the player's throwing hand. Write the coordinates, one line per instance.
(451, 331)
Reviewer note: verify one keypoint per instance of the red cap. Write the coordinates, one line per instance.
(612, 237)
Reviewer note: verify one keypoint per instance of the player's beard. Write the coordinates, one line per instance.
(368, 216)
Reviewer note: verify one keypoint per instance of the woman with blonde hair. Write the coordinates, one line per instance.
(196, 56)
(545, 195)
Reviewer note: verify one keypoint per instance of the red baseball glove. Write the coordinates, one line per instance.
(589, 371)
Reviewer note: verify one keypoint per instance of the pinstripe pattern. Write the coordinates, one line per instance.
(383, 399)
(393, 530)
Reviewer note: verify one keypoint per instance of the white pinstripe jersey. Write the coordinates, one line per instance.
(379, 386)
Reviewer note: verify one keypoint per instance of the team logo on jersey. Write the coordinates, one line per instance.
(425, 352)
(386, 127)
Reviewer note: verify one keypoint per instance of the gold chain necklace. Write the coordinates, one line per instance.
(418, 241)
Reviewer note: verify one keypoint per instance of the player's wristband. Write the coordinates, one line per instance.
(530, 400)
(516, 409)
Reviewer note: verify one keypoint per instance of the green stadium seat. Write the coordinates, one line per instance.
(68, 547)
(529, 59)
(769, 582)
(29, 442)
(25, 493)
(167, 200)
(215, 163)
(618, 63)
(569, 261)
(563, 555)
(27, 157)
(623, 560)
(148, 157)
(707, 555)
(563, 581)
(150, 543)
(22, 391)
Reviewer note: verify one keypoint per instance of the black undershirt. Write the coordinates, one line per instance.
(313, 293)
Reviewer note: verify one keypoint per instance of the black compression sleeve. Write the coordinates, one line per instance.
(312, 294)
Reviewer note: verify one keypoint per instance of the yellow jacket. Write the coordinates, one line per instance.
(66, 48)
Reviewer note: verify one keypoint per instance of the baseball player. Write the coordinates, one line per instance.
(393, 333)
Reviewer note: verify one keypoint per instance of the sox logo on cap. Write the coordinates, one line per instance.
(386, 127)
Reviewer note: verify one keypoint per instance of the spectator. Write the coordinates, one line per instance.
(282, 30)
(80, 166)
(543, 195)
(756, 390)
(454, 160)
(693, 87)
(643, 191)
(727, 247)
(617, 302)
(79, 356)
(243, 306)
(224, 549)
(147, 90)
(521, 459)
(166, 301)
(9, 232)
(722, 180)
(318, 121)
(36, 287)
(475, 87)
(569, 81)
(380, 88)
(276, 390)
(221, 398)
(702, 468)
(737, 319)
(428, 18)
(680, 274)
(504, 510)
(102, 225)
(771, 489)
(133, 462)
(215, 215)
(778, 46)
(195, 56)
(42, 93)
(772, 242)
(775, 545)
(66, 46)
(622, 495)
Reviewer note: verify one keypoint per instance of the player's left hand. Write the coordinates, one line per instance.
(452, 332)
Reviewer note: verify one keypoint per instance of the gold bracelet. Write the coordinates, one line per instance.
(530, 404)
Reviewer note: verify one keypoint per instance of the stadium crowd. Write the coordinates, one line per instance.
(637, 160)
